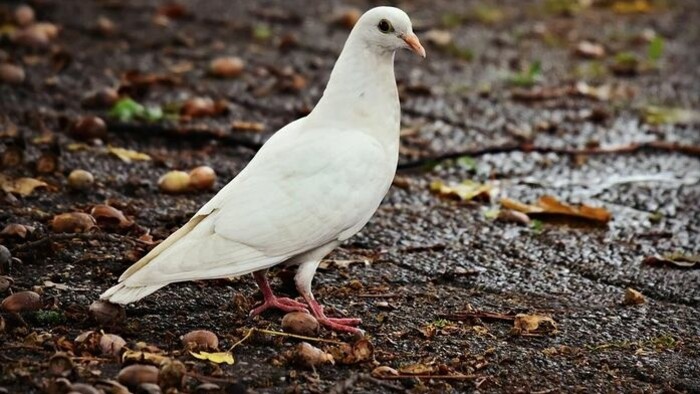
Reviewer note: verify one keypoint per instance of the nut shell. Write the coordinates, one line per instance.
(300, 323)
(22, 301)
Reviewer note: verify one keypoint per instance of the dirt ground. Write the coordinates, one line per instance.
(510, 96)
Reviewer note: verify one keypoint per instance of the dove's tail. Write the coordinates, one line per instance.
(121, 294)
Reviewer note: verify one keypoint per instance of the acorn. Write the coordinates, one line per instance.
(101, 98)
(310, 356)
(109, 217)
(300, 323)
(22, 301)
(106, 313)
(226, 67)
(134, 375)
(5, 283)
(32, 38)
(60, 365)
(24, 15)
(11, 74)
(72, 222)
(198, 107)
(200, 339)
(16, 230)
(83, 388)
(88, 341)
(174, 182)
(202, 178)
(89, 127)
(172, 374)
(111, 345)
(80, 179)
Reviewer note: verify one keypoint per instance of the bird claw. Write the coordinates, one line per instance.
(282, 303)
(342, 325)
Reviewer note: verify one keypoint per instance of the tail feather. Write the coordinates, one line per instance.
(123, 294)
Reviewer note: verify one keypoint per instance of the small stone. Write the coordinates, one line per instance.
(227, 67)
(22, 301)
(11, 74)
(80, 180)
(300, 323)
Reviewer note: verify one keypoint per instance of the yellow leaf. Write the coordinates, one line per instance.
(21, 186)
(632, 6)
(128, 155)
(465, 191)
(219, 357)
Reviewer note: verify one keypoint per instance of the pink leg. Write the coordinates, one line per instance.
(334, 323)
(270, 300)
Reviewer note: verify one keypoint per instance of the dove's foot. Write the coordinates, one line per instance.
(335, 323)
(282, 303)
(271, 301)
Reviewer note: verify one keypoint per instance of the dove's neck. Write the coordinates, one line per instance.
(361, 93)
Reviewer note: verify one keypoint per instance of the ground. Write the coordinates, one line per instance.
(504, 98)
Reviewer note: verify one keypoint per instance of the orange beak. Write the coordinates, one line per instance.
(414, 44)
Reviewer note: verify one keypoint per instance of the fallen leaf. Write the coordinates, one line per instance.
(247, 126)
(384, 370)
(675, 260)
(548, 205)
(418, 369)
(632, 7)
(21, 186)
(466, 191)
(128, 155)
(633, 297)
(218, 357)
(139, 356)
(533, 324)
(666, 115)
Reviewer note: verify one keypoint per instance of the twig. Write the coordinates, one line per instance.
(478, 315)
(691, 150)
(443, 377)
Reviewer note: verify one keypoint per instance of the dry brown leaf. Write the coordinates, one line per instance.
(533, 324)
(21, 186)
(675, 260)
(633, 297)
(384, 370)
(418, 369)
(548, 205)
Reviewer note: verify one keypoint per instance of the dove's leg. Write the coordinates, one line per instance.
(270, 300)
(303, 279)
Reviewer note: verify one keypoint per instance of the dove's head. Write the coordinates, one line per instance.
(387, 29)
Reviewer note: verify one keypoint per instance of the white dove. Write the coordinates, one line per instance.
(312, 185)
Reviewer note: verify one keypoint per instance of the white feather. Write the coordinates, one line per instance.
(315, 183)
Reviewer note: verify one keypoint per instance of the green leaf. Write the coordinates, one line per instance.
(126, 110)
(537, 226)
(528, 77)
(656, 49)
(262, 32)
(466, 162)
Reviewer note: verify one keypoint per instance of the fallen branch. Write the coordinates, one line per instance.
(662, 146)
(479, 315)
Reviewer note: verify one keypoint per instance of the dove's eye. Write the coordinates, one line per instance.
(384, 26)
